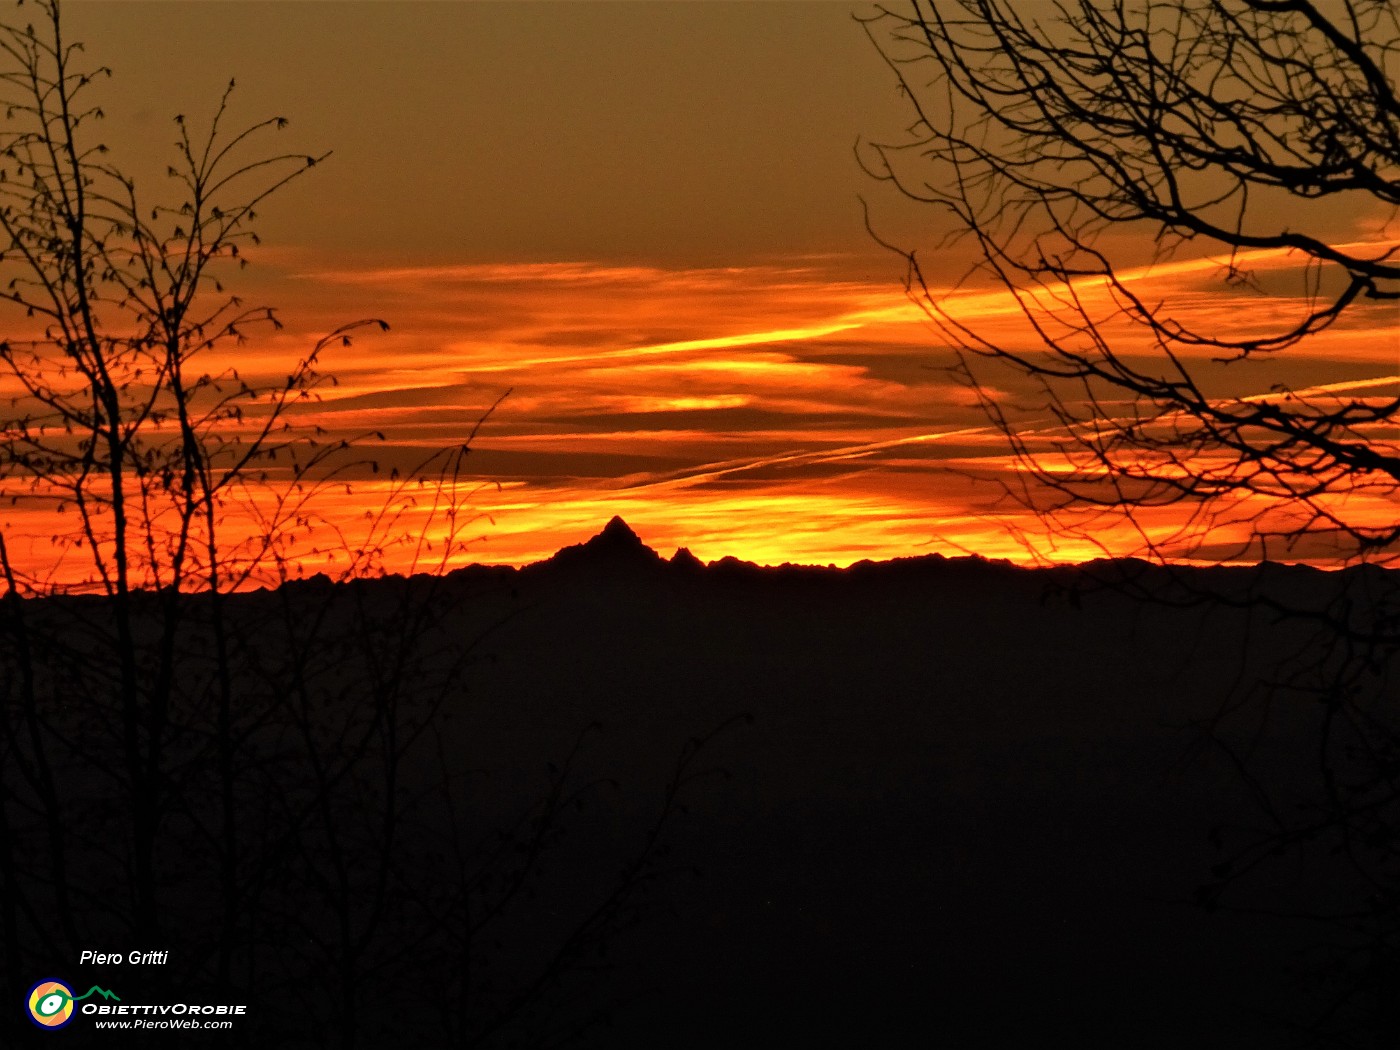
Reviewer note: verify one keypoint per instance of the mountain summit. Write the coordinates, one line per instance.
(617, 545)
(617, 534)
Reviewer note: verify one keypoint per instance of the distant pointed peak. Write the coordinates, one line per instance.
(617, 531)
(617, 537)
(617, 542)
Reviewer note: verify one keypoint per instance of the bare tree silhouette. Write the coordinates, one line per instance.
(1079, 154)
(254, 781)
(1060, 142)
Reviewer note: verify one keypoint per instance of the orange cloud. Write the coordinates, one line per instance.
(780, 412)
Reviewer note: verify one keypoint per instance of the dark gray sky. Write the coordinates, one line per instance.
(706, 132)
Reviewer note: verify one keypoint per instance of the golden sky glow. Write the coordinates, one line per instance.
(695, 330)
(777, 413)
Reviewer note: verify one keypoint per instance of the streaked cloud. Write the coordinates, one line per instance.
(789, 411)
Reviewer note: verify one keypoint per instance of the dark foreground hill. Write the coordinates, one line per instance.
(933, 803)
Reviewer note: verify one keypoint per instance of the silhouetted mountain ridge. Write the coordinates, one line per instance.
(618, 551)
(618, 541)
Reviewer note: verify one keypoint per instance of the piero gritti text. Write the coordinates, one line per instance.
(132, 958)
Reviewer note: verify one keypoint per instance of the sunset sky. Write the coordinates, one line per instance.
(644, 221)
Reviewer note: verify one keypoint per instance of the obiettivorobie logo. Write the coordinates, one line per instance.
(51, 1002)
